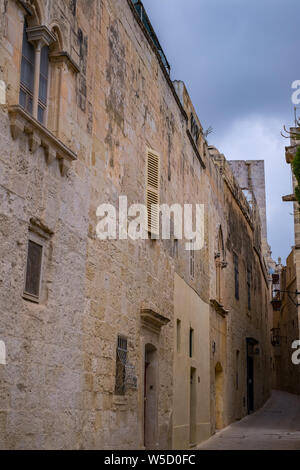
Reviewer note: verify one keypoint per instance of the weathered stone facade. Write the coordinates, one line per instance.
(286, 320)
(110, 98)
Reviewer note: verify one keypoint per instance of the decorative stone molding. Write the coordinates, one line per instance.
(290, 153)
(289, 198)
(40, 33)
(219, 308)
(153, 321)
(38, 136)
(64, 57)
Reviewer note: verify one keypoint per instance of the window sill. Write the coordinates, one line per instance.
(120, 400)
(39, 136)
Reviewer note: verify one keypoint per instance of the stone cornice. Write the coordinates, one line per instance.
(289, 198)
(39, 136)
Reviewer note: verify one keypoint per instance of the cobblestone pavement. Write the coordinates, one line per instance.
(276, 426)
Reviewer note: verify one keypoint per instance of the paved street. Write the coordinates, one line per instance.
(275, 427)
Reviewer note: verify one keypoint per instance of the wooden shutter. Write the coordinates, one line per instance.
(152, 192)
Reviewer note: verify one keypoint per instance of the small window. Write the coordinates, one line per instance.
(191, 342)
(236, 276)
(33, 271)
(175, 248)
(178, 335)
(121, 361)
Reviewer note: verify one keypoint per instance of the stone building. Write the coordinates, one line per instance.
(286, 285)
(117, 344)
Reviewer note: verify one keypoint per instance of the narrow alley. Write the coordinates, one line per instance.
(274, 427)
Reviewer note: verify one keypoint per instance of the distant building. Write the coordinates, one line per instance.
(118, 344)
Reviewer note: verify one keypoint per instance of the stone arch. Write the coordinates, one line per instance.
(37, 16)
(59, 44)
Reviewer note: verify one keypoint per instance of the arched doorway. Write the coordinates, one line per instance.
(150, 397)
(219, 390)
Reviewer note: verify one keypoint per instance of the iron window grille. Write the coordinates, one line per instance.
(121, 361)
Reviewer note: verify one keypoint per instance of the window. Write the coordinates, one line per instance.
(236, 275)
(43, 85)
(153, 192)
(121, 361)
(195, 131)
(192, 259)
(220, 264)
(27, 73)
(35, 70)
(178, 331)
(33, 271)
(191, 351)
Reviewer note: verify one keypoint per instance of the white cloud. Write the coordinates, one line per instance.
(258, 138)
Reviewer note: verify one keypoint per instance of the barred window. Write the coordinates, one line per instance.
(121, 361)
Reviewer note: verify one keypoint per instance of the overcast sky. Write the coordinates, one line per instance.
(238, 59)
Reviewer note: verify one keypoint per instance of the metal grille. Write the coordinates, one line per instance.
(121, 361)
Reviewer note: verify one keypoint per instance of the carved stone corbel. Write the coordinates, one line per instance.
(50, 153)
(64, 166)
(33, 140)
(16, 127)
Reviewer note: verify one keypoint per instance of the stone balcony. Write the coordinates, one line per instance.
(39, 136)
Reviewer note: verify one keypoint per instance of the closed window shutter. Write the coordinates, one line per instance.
(152, 192)
(33, 270)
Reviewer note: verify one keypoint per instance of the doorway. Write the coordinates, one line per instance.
(193, 408)
(219, 387)
(250, 384)
(150, 397)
